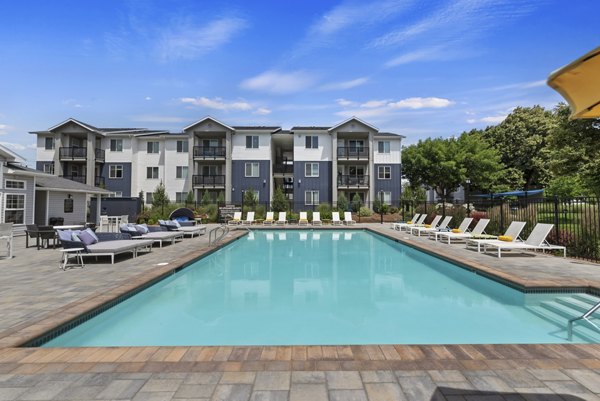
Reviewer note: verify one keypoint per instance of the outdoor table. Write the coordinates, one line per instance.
(71, 253)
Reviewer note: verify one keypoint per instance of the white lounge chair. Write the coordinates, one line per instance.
(303, 220)
(249, 219)
(6, 234)
(282, 220)
(395, 226)
(335, 219)
(269, 220)
(462, 228)
(236, 220)
(433, 229)
(408, 226)
(513, 231)
(535, 242)
(478, 230)
(348, 219)
(418, 230)
(316, 220)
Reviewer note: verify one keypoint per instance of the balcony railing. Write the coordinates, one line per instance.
(208, 180)
(353, 152)
(73, 152)
(99, 181)
(283, 168)
(353, 180)
(99, 154)
(209, 151)
(76, 178)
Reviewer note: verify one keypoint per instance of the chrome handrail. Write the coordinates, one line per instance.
(225, 231)
(584, 317)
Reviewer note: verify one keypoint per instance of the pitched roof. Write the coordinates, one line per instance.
(208, 118)
(312, 128)
(256, 127)
(353, 119)
(389, 134)
(53, 182)
(101, 131)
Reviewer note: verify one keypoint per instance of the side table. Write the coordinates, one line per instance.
(71, 253)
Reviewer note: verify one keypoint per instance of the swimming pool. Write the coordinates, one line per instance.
(321, 287)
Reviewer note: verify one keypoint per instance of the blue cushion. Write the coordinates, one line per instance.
(142, 228)
(174, 223)
(65, 235)
(86, 238)
(181, 218)
(92, 233)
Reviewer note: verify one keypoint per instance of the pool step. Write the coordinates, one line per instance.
(576, 304)
(590, 299)
(580, 329)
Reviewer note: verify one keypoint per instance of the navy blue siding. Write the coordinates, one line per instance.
(118, 184)
(40, 165)
(394, 185)
(322, 183)
(240, 182)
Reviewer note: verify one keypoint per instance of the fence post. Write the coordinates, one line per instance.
(502, 215)
(556, 218)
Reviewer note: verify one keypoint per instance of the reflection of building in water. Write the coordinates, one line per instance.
(309, 286)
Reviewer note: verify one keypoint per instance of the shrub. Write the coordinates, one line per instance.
(365, 212)
(342, 203)
(394, 210)
(280, 202)
(356, 203)
(325, 211)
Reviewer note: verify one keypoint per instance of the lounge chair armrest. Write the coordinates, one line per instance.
(73, 244)
(153, 229)
(112, 236)
(188, 223)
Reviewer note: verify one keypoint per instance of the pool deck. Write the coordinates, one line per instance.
(36, 296)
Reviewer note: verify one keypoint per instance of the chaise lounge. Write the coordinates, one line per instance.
(108, 244)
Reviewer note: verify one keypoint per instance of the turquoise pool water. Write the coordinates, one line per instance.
(319, 287)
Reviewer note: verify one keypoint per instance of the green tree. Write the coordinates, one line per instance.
(356, 203)
(280, 202)
(160, 198)
(521, 140)
(205, 201)
(342, 203)
(141, 196)
(221, 198)
(250, 198)
(574, 146)
(567, 186)
(189, 198)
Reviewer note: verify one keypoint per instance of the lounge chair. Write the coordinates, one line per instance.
(6, 234)
(303, 220)
(269, 220)
(236, 220)
(175, 225)
(316, 220)
(411, 221)
(408, 226)
(418, 230)
(513, 231)
(535, 242)
(109, 244)
(249, 219)
(185, 216)
(282, 220)
(156, 234)
(335, 219)
(348, 219)
(478, 230)
(462, 228)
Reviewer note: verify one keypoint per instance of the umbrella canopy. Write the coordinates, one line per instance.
(579, 84)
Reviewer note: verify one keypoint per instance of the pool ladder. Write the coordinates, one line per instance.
(585, 317)
(219, 233)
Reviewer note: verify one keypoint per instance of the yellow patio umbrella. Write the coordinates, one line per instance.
(579, 83)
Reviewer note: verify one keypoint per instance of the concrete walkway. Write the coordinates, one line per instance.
(35, 295)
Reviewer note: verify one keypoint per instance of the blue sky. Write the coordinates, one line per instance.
(418, 68)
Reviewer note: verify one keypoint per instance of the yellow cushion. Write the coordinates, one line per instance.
(236, 219)
(456, 230)
(268, 219)
(409, 222)
(427, 225)
(506, 238)
(303, 220)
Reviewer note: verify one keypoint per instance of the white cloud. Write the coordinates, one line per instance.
(18, 146)
(279, 82)
(374, 103)
(147, 98)
(434, 53)
(216, 103)
(4, 128)
(520, 85)
(421, 103)
(149, 118)
(345, 84)
(263, 111)
(72, 103)
(488, 120)
(345, 102)
(187, 41)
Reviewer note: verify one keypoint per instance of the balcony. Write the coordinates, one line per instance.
(353, 152)
(283, 168)
(77, 178)
(209, 152)
(353, 181)
(99, 154)
(79, 153)
(208, 181)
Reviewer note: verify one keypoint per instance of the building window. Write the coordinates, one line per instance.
(251, 142)
(182, 146)
(49, 168)
(115, 171)
(153, 147)
(14, 210)
(116, 145)
(387, 197)
(149, 197)
(311, 197)
(152, 173)
(181, 172)
(312, 142)
(14, 184)
(384, 172)
(252, 169)
(180, 197)
(116, 194)
(49, 143)
(383, 147)
(311, 169)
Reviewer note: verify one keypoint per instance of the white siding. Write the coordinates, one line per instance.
(172, 160)
(240, 152)
(395, 151)
(115, 157)
(142, 160)
(322, 153)
(43, 155)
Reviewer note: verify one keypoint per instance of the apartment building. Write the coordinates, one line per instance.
(311, 164)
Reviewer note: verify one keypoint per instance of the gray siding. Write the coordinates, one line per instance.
(40, 165)
(394, 185)
(118, 184)
(56, 207)
(240, 182)
(322, 183)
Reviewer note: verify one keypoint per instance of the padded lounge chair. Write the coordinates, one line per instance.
(335, 219)
(434, 224)
(411, 221)
(513, 231)
(303, 220)
(462, 228)
(236, 220)
(478, 230)
(535, 242)
(408, 226)
(282, 220)
(249, 219)
(348, 219)
(175, 225)
(110, 244)
(269, 220)
(316, 220)
(161, 236)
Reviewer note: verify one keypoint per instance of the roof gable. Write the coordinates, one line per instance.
(353, 120)
(209, 120)
(76, 122)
